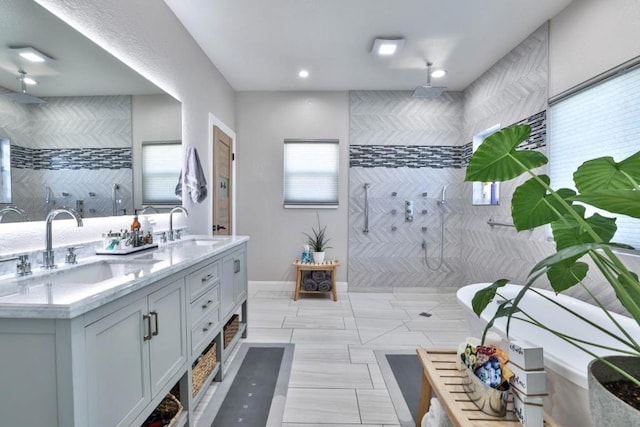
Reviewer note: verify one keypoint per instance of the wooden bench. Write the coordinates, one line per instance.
(329, 266)
(441, 376)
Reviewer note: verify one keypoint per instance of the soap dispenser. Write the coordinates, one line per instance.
(135, 225)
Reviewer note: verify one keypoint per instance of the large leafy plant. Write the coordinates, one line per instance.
(602, 183)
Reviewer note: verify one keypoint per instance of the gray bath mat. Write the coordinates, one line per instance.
(253, 391)
(402, 373)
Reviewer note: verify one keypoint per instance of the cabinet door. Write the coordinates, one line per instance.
(117, 358)
(240, 276)
(168, 345)
(227, 285)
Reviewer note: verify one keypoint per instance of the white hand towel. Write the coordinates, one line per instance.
(194, 180)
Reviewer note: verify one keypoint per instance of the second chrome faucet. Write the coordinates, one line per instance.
(176, 209)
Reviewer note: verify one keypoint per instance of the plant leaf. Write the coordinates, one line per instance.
(496, 159)
(531, 206)
(566, 274)
(567, 253)
(604, 173)
(568, 232)
(625, 202)
(483, 297)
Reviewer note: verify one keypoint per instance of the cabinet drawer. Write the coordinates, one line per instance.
(199, 281)
(204, 304)
(205, 330)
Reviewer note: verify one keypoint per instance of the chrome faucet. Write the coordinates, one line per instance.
(48, 256)
(148, 208)
(15, 210)
(176, 209)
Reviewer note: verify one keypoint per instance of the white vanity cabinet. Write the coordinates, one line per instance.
(111, 357)
(133, 353)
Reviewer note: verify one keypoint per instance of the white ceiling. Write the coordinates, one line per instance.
(262, 44)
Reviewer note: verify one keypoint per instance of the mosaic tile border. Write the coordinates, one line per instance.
(70, 158)
(436, 156)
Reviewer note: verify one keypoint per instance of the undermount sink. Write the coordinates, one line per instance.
(205, 240)
(102, 270)
(69, 283)
(211, 242)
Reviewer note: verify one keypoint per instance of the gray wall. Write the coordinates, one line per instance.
(590, 37)
(264, 120)
(148, 37)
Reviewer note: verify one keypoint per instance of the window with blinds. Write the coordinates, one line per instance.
(161, 167)
(311, 173)
(601, 120)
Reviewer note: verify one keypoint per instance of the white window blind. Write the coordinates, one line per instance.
(161, 167)
(311, 173)
(601, 120)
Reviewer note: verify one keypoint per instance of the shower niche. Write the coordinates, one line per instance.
(485, 193)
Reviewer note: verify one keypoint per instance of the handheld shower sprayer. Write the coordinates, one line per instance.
(443, 196)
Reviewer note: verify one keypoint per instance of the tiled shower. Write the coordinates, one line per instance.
(407, 149)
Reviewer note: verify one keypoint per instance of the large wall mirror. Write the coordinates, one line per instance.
(75, 137)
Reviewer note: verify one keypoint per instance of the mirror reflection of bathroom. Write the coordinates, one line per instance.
(485, 193)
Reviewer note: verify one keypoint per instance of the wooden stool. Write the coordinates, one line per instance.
(440, 374)
(329, 266)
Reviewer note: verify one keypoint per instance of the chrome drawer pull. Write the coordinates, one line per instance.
(206, 328)
(207, 304)
(207, 278)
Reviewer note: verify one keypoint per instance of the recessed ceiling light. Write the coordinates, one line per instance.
(31, 54)
(438, 73)
(303, 74)
(387, 46)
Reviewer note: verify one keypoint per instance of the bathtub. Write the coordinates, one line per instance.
(566, 366)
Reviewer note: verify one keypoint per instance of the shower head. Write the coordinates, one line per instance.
(428, 91)
(23, 97)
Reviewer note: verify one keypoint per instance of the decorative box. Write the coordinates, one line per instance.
(526, 356)
(528, 382)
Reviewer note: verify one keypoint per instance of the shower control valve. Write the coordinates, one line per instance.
(408, 211)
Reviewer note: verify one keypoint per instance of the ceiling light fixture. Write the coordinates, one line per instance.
(31, 54)
(438, 73)
(387, 46)
(303, 74)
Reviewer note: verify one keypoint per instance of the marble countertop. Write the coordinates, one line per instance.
(66, 292)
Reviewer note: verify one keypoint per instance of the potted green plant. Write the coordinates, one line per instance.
(601, 183)
(317, 241)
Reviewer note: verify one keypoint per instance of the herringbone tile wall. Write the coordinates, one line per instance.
(79, 145)
(390, 256)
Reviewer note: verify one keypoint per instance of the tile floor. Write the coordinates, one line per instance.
(335, 379)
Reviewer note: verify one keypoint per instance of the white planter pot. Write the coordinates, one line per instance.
(318, 257)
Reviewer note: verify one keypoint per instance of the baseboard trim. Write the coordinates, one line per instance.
(285, 286)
